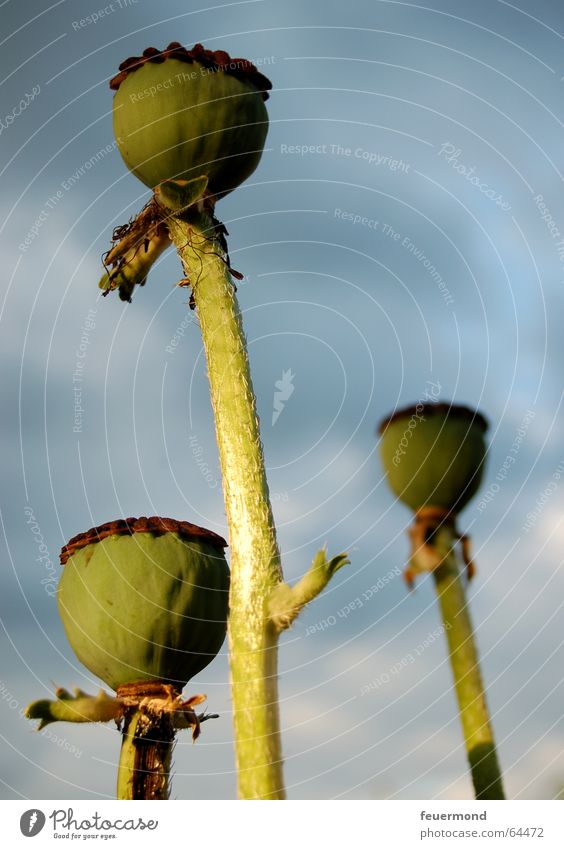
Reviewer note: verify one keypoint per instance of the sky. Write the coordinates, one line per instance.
(402, 231)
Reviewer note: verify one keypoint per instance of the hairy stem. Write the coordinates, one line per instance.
(145, 757)
(255, 559)
(286, 602)
(474, 715)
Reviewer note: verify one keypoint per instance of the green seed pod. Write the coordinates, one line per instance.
(183, 114)
(145, 599)
(433, 455)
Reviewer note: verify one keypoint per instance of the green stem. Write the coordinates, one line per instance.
(145, 757)
(474, 715)
(255, 559)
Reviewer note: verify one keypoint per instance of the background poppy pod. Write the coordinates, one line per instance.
(433, 455)
(182, 114)
(145, 600)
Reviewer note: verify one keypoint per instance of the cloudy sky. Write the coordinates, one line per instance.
(438, 121)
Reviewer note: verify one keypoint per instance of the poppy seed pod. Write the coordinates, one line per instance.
(182, 114)
(433, 455)
(145, 600)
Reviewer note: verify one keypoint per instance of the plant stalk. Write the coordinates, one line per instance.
(255, 558)
(474, 715)
(145, 757)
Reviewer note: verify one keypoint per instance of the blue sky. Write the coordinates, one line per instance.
(452, 116)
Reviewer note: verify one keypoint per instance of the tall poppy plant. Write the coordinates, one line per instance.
(434, 455)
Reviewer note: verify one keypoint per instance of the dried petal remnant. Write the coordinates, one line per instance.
(127, 527)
